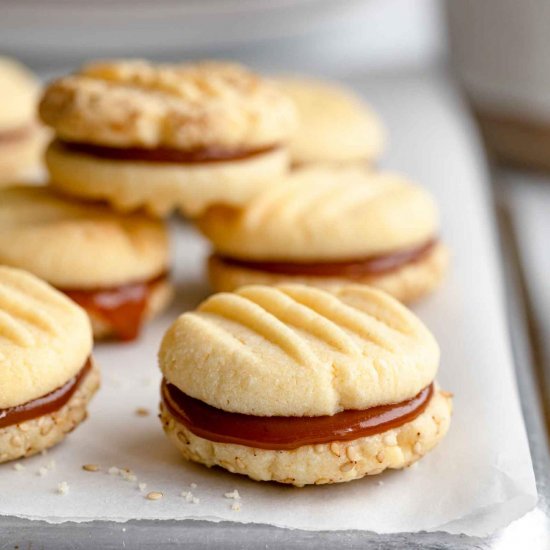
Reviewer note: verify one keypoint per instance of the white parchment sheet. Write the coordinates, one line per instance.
(480, 477)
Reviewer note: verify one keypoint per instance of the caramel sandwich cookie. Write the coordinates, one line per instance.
(302, 386)
(47, 374)
(327, 227)
(22, 140)
(113, 265)
(166, 136)
(335, 125)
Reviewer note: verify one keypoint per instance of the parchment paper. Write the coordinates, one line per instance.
(480, 477)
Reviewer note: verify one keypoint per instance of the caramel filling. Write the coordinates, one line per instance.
(46, 404)
(15, 134)
(286, 433)
(122, 307)
(201, 155)
(351, 269)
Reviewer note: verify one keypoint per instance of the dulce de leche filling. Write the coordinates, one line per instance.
(46, 404)
(200, 155)
(373, 265)
(287, 433)
(122, 308)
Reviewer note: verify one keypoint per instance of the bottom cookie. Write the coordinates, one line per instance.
(335, 462)
(407, 283)
(32, 436)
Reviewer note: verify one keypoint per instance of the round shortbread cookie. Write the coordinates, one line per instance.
(324, 214)
(334, 462)
(35, 435)
(335, 125)
(407, 283)
(78, 246)
(45, 338)
(160, 187)
(295, 350)
(187, 106)
(19, 91)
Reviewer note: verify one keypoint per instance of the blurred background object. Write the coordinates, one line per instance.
(500, 49)
(321, 36)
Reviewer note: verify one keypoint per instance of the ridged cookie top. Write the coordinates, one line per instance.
(77, 245)
(18, 95)
(334, 124)
(45, 338)
(294, 350)
(137, 103)
(320, 214)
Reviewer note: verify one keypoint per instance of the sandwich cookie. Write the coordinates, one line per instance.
(22, 140)
(330, 226)
(335, 125)
(166, 136)
(115, 266)
(298, 385)
(47, 374)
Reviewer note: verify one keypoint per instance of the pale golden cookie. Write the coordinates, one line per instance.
(325, 214)
(309, 352)
(74, 245)
(187, 106)
(22, 141)
(296, 351)
(87, 250)
(335, 125)
(327, 226)
(45, 338)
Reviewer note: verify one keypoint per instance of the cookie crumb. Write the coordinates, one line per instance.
(128, 475)
(233, 494)
(195, 500)
(51, 465)
(154, 495)
(142, 486)
(63, 488)
(380, 483)
(113, 471)
(18, 467)
(236, 507)
(142, 411)
(193, 485)
(91, 467)
(42, 471)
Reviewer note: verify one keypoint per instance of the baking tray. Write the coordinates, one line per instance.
(199, 534)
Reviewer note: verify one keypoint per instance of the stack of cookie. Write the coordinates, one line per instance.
(310, 375)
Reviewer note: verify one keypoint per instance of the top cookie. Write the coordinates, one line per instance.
(18, 95)
(186, 106)
(295, 350)
(334, 124)
(328, 213)
(76, 245)
(45, 338)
